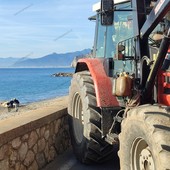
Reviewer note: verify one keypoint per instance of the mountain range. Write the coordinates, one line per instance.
(51, 60)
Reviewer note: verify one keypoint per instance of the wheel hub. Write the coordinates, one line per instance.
(142, 158)
(146, 160)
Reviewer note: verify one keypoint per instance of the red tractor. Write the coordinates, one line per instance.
(121, 95)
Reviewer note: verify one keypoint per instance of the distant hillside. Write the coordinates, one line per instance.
(7, 62)
(51, 60)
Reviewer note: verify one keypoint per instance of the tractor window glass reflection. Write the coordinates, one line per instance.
(121, 30)
(100, 49)
(110, 41)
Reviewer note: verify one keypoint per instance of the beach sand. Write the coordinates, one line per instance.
(25, 109)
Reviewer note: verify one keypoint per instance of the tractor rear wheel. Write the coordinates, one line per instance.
(85, 121)
(145, 139)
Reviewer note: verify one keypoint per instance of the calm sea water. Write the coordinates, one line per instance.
(35, 84)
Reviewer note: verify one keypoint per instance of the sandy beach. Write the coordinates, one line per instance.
(25, 109)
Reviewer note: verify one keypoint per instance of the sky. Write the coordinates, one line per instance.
(35, 28)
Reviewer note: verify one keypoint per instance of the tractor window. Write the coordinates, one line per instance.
(108, 37)
(100, 45)
(121, 30)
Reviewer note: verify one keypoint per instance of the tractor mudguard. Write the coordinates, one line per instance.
(102, 83)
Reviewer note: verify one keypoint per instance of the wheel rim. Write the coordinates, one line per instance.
(77, 118)
(141, 157)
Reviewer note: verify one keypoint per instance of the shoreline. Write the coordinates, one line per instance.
(25, 102)
(35, 67)
(30, 107)
(41, 100)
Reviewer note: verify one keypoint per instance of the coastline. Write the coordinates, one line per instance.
(35, 67)
(30, 107)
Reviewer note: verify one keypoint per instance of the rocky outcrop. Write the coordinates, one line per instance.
(62, 74)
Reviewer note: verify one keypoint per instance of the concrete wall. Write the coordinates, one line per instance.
(30, 141)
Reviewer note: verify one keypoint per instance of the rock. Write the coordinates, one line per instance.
(51, 128)
(52, 154)
(38, 131)
(32, 139)
(4, 164)
(22, 167)
(62, 74)
(3, 151)
(25, 137)
(51, 141)
(57, 125)
(46, 151)
(40, 160)
(42, 131)
(23, 151)
(17, 166)
(41, 145)
(47, 134)
(16, 143)
(34, 166)
(29, 158)
(58, 142)
(13, 158)
(35, 148)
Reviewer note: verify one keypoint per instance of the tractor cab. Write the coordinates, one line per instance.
(123, 40)
(109, 38)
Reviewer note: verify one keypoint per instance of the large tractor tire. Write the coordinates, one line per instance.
(85, 121)
(145, 139)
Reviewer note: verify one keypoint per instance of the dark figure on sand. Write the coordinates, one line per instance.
(14, 103)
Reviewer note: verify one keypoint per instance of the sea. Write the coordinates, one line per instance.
(33, 84)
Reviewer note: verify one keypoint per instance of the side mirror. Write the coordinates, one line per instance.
(107, 15)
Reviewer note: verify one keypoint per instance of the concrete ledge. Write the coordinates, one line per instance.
(21, 124)
(33, 139)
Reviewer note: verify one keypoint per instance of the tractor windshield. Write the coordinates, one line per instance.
(107, 37)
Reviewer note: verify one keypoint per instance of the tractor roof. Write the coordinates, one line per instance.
(97, 6)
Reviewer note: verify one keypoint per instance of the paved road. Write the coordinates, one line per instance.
(67, 161)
